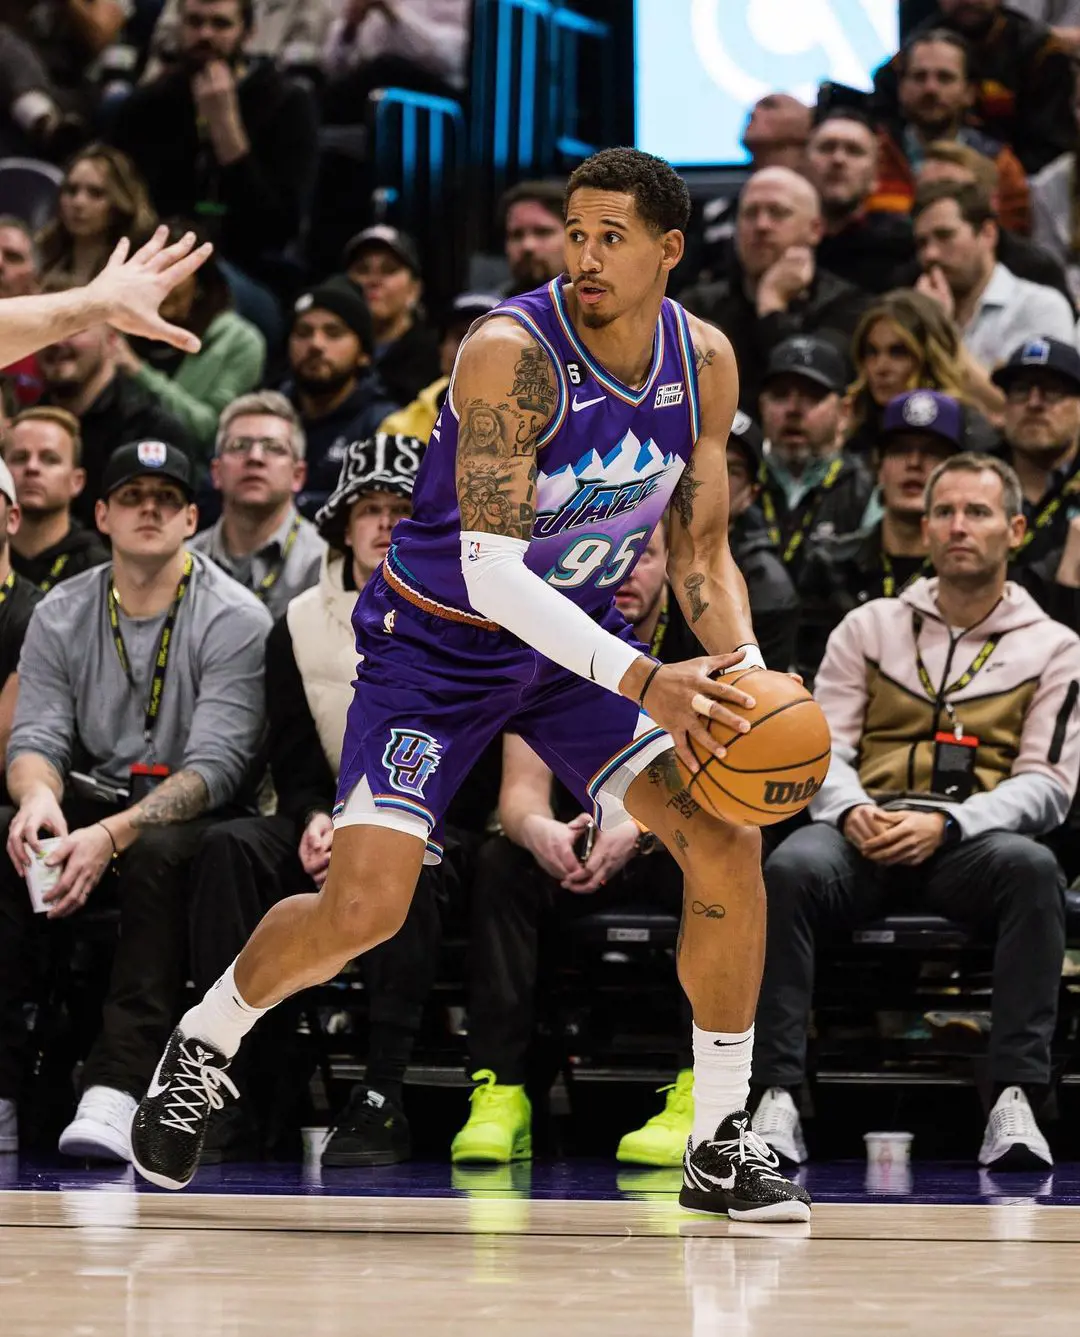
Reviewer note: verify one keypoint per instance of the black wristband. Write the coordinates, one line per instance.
(648, 683)
(112, 839)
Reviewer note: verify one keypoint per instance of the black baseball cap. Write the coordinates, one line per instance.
(1052, 355)
(747, 438)
(813, 358)
(148, 459)
(343, 299)
(389, 238)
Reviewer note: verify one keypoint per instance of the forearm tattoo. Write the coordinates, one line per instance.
(682, 499)
(180, 798)
(692, 585)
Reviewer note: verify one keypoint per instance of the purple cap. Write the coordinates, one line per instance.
(926, 411)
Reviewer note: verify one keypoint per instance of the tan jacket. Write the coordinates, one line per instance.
(1021, 705)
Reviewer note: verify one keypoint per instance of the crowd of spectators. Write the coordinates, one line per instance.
(182, 536)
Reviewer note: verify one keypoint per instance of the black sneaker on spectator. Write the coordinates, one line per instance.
(369, 1131)
(736, 1175)
(1013, 1140)
(170, 1124)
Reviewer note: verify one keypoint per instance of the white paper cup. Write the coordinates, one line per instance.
(39, 877)
(314, 1139)
(888, 1148)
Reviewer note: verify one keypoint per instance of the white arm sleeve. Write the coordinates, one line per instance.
(502, 588)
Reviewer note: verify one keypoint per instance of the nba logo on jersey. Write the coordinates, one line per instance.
(474, 551)
(667, 396)
(410, 759)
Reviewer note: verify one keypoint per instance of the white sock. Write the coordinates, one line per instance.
(222, 1019)
(721, 1078)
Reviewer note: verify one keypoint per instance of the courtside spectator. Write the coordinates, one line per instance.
(1023, 74)
(859, 244)
(418, 418)
(1055, 198)
(43, 450)
(776, 288)
(145, 677)
(810, 486)
(196, 387)
(335, 388)
(291, 33)
(384, 264)
(102, 198)
(936, 93)
(224, 140)
(1041, 430)
(956, 236)
(905, 341)
(244, 866)
(531, 217)
(20, 275)
(18, 596)
(841, 572)
(955, 744)
(81, 375)
(261, 539)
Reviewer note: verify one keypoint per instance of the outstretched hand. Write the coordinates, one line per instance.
(132, 287)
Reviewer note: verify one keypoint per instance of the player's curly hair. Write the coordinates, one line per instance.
(659, 191)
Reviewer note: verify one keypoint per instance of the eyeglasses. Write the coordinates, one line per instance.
(168, 499)
(1019, 392)
(270, 446)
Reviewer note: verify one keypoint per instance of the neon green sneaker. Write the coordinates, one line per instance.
(499, 1128)
(662, 1141)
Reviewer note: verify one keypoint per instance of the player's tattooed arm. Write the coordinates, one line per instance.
(703, 575)
(507, 392)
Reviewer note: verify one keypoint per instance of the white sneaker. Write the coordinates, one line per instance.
(777, 1123)
(1013, 1140)
(9, 1128)
(101, 1128)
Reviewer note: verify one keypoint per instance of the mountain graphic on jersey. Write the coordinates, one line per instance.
(596, 488)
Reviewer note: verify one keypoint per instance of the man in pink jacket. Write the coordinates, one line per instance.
(953, 711)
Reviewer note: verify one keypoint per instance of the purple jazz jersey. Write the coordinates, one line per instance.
(432, 691)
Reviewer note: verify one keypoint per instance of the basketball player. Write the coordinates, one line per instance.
(577, 413)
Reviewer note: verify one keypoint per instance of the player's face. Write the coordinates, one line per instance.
(889, 365)
(85, 206)
(41, 457)
(255, 465)
(907, 461)
(372, 518)
(967, 531)
(70, 364)
(18, 276)
(1042, 413)
(534, 243)
(742, 485)
(147, 518)
(210, 30)
(614, 259)
(842, 162)
(640, 592)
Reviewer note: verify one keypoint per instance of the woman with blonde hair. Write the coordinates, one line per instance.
(102, 198)
(905, 341)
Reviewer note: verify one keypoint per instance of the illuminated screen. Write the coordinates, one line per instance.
(701, 64)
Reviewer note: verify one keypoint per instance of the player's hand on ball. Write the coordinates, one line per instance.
(131, 287)
(682, 697)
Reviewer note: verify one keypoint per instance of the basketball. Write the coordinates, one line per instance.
(773, 771)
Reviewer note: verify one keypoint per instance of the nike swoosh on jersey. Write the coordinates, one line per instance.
(578, 404)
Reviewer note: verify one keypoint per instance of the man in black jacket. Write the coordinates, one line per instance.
(43, 450)
(1024, 83)
(231, 144)
(776, 289)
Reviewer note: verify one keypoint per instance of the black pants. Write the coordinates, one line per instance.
(148, 883)
(817, 883)
(514, 901)
(243, 867)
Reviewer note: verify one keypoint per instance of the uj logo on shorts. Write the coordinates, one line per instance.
(410, 760)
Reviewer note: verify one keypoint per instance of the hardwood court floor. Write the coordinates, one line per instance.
(88, 1255)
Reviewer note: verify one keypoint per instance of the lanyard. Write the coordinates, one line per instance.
(161, 659)
(268, 581)
(1067, 488)
(818, 495)
(7, 586)
(55, 572)
(888, 582)
(964, 679)
(661, 626)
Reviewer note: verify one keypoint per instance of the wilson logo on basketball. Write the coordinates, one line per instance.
(781, 793)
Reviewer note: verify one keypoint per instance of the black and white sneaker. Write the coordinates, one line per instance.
(736, 1174)
(169, 1127)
